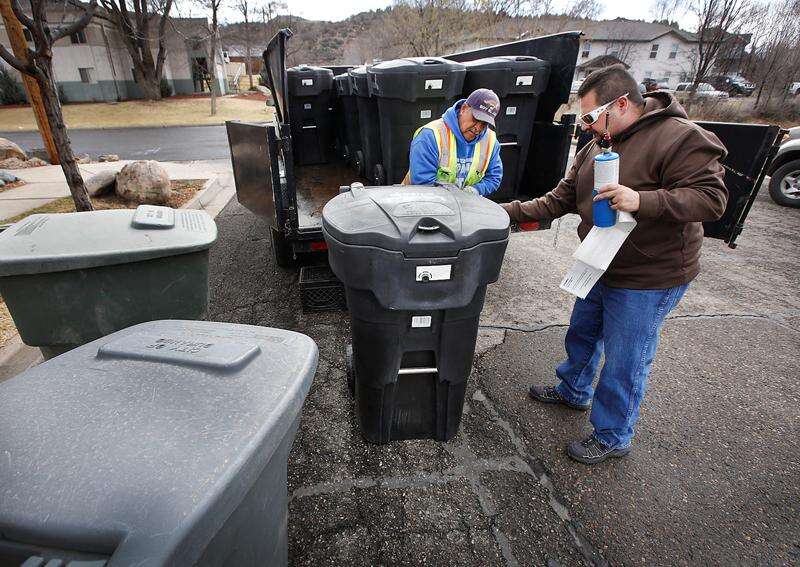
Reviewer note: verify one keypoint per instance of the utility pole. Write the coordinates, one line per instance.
(20, 49)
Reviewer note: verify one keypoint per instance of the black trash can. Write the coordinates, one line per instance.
(518, 81)
(348, 120)
(368, 158)
(162, 444)
(411, 92)
(310, 113)
(415, 262)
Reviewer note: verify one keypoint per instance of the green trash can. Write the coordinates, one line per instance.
(68, 279)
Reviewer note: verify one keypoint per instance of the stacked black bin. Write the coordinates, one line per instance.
(310, 90)
(411, 92)
(518, 81)
(415, 262)
(368, 158)
(350, 133)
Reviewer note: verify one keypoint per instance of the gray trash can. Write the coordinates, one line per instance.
(415, 262)
(71, 278)
(164, 444)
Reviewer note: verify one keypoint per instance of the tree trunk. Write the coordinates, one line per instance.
(212, 71)
(52, 107)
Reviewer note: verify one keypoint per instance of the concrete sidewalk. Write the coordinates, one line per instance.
(46, 184)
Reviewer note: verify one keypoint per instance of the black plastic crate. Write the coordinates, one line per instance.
(321, 290)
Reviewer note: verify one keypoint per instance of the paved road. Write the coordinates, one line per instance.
(713, 476)
(180, 143)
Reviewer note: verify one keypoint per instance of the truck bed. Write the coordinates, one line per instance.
(316, 185)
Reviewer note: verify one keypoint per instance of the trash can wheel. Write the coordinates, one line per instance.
(351, 370)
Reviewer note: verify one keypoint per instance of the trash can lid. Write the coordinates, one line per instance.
(72, 241)
(344, 86)
(310, 70)
(418, 220)
(148, 437)
(513, 61)
(418, 65)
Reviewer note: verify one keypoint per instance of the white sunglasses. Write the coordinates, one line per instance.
(591, 117)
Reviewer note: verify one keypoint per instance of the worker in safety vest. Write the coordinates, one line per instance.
(459, 148)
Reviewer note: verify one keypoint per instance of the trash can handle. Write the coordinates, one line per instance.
(430, 62)
(357, 189)
(430, 228)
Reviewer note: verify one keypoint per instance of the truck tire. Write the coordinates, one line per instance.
(281, 249)
(785, 177)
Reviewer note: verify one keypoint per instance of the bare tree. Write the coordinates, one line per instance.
(246, 9)
(39, 65)
(718, 21)
(213, 47)
(584, 9)
(667, 10)
(137, 22)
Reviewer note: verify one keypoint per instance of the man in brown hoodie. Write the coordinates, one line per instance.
(670, 180)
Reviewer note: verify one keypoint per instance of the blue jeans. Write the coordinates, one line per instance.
(625, 323)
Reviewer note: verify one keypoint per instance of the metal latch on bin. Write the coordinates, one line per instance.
(434, 273)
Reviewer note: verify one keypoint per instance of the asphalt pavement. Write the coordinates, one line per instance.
(176, 143)
(712, 479)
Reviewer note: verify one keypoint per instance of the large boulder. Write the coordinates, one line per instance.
(9, 149)
(17, 163)
(101, 182)
(144, 182)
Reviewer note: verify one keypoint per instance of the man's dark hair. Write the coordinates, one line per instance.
(610, 83)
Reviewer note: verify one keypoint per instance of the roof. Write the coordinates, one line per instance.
(601, 61)
(630, 30)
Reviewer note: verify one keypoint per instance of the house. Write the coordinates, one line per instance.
(651, 50)
(94, 65)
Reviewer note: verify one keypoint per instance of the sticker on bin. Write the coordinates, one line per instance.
(310, 82)
(524, 80)
(433, 84)
(433, 273)
(153, 216)
(425, 114)
(307, 106)
(511, 110)
(421, 321)
(194, 351)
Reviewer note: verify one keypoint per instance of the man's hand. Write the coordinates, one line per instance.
(622, 198)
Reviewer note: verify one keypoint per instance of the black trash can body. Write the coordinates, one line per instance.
(310, 114)
(518, 82)
(68, 279)
(368, 157)
(349, 123)
(415, 262)
(162, 444)
(411, 92)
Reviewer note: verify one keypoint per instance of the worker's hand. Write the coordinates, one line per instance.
(448, 186)
(471, 189)
(621, 198)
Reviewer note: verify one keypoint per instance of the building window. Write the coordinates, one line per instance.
(86, 74)
(28, 35)
(673, 52)
(653, 51)
(78, 37)
(587, 47)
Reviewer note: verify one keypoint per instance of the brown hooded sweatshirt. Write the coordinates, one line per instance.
(675, 166)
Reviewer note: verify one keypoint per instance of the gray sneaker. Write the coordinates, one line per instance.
(549, 395)
(591, 451)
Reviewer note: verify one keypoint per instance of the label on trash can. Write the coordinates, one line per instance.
(307, 106)
(433, 273)
(421, 321)
(310, 82)
(153, 216)
(524, 80)
(190, 351)
(425, 114)
(511, 110)
(433, 84)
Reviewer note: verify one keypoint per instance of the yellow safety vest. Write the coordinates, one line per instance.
(448, 156)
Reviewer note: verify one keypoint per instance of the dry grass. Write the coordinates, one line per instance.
(182, 192)
(7, 328)
(138, 113)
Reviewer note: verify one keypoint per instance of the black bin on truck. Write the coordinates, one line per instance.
(411, 92)
(415, 262)
(518, 81)
(350, 133)
(368, 158)
(162, 444)
(310, 90)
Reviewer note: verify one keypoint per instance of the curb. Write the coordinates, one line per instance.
(213, 190)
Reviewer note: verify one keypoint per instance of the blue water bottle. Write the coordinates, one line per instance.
(606, 170)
